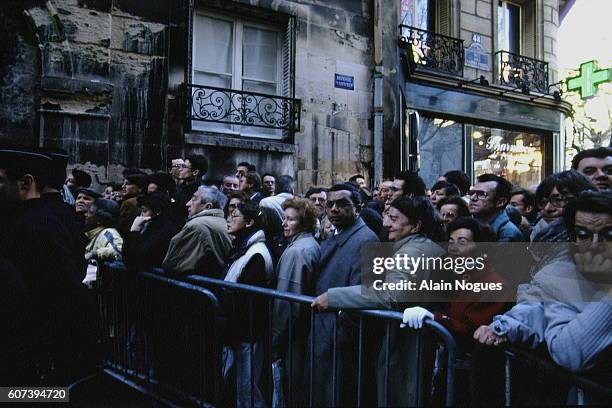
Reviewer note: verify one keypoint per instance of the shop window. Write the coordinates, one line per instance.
(516, 156)
(440, 144)
(237, 55)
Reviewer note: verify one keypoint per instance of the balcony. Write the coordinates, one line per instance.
(432, 52)
(242, 108)
(520, 72)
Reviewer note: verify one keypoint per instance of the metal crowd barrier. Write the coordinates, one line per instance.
(168, 338)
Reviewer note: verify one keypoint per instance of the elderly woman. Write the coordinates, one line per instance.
(295, 274)
(249, 262)
(105, 243)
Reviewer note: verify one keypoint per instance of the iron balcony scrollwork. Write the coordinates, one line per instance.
(432, 51)
(521, 72)
(238, 107)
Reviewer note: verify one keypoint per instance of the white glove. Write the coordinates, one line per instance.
(414, 316)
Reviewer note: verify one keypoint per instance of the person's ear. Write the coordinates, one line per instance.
(418, 226)
(25, 183)
(196, 172)
(208, 206)
(529, 208)
(250, 224)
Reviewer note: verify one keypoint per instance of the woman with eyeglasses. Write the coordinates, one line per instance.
(249, 262)
(552, 195)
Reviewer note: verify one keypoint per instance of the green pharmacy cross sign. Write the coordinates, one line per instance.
(586, 83)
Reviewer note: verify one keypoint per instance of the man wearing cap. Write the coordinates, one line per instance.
(61, 309)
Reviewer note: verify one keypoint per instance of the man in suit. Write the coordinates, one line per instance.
(339, 266)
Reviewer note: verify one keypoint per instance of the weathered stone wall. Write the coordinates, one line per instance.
(100, 80)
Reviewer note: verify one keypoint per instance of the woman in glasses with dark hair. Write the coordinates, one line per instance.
(249, 262)
(552, 195)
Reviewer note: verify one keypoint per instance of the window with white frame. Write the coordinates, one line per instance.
(235, 54)
(509, 27)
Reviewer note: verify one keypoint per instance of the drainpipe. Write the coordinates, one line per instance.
(378, 125)
(378, 93)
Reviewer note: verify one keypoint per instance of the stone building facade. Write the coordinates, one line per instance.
(289, 85)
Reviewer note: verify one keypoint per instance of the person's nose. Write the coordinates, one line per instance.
(549, 207)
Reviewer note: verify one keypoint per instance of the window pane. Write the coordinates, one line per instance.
(517, 156)
(514, 28)
(415, 13)
(212, 45)
(440, 148)
(259, 55)
(509, 27)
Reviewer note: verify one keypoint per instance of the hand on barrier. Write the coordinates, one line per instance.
(321, 302)
(414, 316)
(485, 335)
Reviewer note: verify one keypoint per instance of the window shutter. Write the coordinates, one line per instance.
(529, 30)
(288, 53)
(443, 17)
(288, 56)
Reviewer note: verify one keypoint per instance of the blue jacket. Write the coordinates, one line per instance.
(505, 230)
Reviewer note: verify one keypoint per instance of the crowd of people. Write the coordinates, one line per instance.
(255, 229)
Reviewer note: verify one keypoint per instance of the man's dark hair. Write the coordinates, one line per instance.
(503, 188)
(482, 232)
(592, 201)
(449, 188)
(81, 178)
(417, 209)
(249, 166)
(355, 177)
(315, 190)
(158, 202)
(132, 170)
(529, 199)
(355, 196)
(163, 180)
(462, 207)
(284, 184)
(253, 178)
(597, 152)
(413, 184)
(268, 175)
(460, 179)
(140, 180)
(569, 181)
(198, 163)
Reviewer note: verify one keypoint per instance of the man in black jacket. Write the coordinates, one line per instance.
(37, 243)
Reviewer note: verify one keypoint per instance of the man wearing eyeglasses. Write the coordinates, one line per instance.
(568, 304)
(488, 199)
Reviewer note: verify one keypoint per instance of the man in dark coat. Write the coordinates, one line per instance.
(38, 245)
(51, 196)
(339, 266)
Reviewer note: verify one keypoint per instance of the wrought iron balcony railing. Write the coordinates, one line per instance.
(238, 107)
(518, 71)
(432, 51)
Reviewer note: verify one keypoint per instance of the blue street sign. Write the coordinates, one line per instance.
(344, 82)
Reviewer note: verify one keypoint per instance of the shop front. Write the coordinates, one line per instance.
(480, 132)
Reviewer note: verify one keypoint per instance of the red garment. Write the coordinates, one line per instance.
(463, 318)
